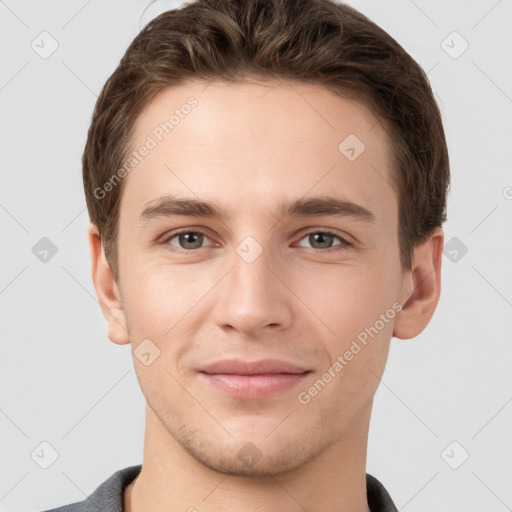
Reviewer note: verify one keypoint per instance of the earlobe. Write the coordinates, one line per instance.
(421, 288)
(107, 290)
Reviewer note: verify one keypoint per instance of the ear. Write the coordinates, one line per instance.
(421, 288)
(107, 290)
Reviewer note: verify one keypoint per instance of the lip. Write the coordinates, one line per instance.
(253, 379)
(261, 367)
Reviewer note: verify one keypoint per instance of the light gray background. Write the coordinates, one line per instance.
(64, 382)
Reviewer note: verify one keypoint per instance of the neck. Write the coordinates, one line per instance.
(172, 481)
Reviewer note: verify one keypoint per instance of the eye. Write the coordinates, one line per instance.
(324, 240)
(190, 240)
(187, 240)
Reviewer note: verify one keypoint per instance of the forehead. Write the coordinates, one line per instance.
(252, 145)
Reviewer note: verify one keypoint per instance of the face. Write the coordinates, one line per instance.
(289, 253)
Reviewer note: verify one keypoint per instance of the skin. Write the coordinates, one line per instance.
(247, 147)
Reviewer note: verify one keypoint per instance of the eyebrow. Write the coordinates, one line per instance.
(168, 205)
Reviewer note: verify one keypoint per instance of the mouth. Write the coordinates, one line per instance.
(253, 379)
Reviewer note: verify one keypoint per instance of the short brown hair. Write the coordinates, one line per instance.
(320, 42)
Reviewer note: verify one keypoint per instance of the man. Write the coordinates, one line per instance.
(266, 182)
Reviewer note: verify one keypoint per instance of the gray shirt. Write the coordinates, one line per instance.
(108, 497)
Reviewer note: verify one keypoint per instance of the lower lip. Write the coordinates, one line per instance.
(254, 386)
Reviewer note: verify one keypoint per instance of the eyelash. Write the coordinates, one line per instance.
(344, 245)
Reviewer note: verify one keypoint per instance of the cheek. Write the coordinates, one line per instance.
(160, 307)
(159, 300)
(346, 299)
(350, 301)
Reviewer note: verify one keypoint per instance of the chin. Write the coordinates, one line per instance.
(249, 460)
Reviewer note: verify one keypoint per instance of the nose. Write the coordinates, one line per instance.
(252, 297)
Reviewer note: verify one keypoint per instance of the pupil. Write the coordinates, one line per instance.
(191, 238)
(322, 238)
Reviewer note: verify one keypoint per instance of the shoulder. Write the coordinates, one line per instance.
(378, 497)
(108, 497)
